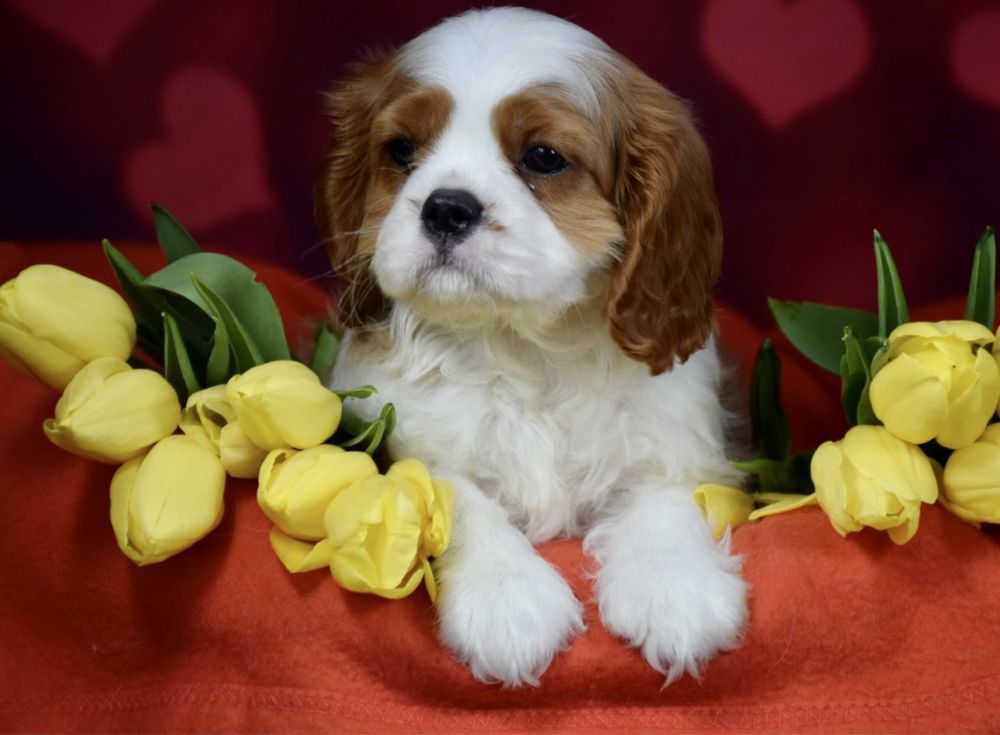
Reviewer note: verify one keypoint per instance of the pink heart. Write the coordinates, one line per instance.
(785, 57)
(95, 27)
(975, 55)
(210, 165)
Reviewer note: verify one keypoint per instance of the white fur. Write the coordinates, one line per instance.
(506, 382)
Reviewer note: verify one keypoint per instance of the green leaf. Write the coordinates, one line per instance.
(892, 310)
(770, 427)
(175, 242)
(177, 368)
(788, 476)
(235, 285)
(217, 367)
(364, 391)
(855, 375)
(325, 354)
(147, 306)
(861, 360)
(816, 329)
(373, 434)
(244, 352)
(981, 303)
(150, 302)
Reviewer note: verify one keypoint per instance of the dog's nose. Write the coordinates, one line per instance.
(449, 214)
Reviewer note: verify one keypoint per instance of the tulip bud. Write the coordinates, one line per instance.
(407, 509)
(54, 321)
(206, 413)
(210, 419)
(723, 507)
(164, 502)
(871, 478)
(112, 413)
(283, 404)
(296, 487)
(940, 383)
(996, 358)
(971, 484)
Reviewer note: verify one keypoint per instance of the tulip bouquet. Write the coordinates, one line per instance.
(922, 400)
(199, 384)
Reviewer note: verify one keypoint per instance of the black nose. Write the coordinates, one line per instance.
(449, 214)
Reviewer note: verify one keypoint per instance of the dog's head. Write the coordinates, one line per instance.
(507, 165)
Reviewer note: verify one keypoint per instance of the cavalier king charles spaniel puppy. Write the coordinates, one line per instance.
(528, 237)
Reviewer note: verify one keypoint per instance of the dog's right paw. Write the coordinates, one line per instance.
(507, 622)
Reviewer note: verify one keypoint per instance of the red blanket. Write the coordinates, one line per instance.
(846, 635)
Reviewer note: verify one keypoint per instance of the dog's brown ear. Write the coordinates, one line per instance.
(658, 305)
(343, 182)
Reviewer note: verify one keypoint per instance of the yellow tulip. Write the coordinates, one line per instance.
(283, 404)
(871, 478)
(996, 358)
(971, 485)
(295, 488)
(164, 502)
(210, 419)
(300, 556)
(776, 503)
(205, 415)
(723, 507)
(940, 383)
(54, 321)
(112, 413)
(382, 531)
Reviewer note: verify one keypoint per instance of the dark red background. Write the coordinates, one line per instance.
(827, 118)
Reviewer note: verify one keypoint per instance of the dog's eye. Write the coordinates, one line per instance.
(543, 160)
(402, 151)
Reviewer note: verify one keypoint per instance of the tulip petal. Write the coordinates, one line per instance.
(723, 507)
(909, 400)
(827, 470)
(437, 532)
(209, 411)
(283, 404)
(973, 401)
(375, 529)
(37, 358)
(299, 556)
(903, 532)
(112, 413)
(176, 498)
(894, 466)
(429, 582)
(295, 488)
(76, 314)
(781, 503)
(967, 331)
(971, 483)
(121, 494)
(240, 457)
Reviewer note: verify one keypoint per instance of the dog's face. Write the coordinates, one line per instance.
(505, 167)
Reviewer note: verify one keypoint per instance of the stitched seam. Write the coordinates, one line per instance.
(711, 717)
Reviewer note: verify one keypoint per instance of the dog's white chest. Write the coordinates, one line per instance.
(545, 447)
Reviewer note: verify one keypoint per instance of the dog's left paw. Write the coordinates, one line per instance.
(678, 613)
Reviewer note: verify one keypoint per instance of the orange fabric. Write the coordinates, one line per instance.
(853, 635)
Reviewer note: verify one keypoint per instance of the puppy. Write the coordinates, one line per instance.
(528, 236)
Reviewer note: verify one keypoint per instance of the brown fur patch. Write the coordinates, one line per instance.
(357, 180)
(658, 304)
(576, 198)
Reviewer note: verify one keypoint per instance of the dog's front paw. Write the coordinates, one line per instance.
(679, 613)
(507, 622)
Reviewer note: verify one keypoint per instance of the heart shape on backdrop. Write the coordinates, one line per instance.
(210, 166)
(94, 27)
(975, 55)
(786, 57)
